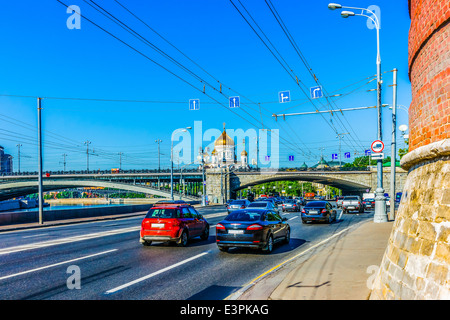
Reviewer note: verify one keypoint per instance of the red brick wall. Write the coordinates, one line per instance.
(429, 71)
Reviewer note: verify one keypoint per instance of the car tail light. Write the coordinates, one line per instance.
(255, 227)
(242, 207)
(295, 205)
(303, 211)
(324, 210)
(220, 227)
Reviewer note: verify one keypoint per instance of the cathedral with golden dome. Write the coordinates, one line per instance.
(224, 153)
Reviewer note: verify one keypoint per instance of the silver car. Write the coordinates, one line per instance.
(237, 205)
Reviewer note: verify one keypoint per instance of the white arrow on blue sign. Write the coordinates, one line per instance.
(235, 102)
(316, 92)
(284, 96)
(291, 158)
(334, 156)
(347, 155)
(368, 153)
(194, 104)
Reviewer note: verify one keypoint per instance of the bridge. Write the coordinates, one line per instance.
(220, 184)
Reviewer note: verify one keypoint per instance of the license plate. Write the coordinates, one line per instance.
(351, 207)
(235, 231)
(157, 225)
(312, 212)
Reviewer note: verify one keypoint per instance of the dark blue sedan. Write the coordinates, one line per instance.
(252, 228)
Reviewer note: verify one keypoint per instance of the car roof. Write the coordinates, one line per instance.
(250, 210)
(320, 201)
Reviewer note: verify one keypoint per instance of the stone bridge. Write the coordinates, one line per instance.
(224, 185)
(16, 186)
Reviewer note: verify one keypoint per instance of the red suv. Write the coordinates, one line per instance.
(176, 223)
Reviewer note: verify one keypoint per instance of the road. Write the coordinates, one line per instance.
(104, 260)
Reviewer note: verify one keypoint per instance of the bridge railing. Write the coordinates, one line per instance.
(184, 171)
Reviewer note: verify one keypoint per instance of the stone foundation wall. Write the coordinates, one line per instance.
(416, 264)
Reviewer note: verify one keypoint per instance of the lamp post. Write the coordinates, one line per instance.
(380, 200)
(171, 158)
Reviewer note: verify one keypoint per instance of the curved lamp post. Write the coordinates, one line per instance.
(380, 201)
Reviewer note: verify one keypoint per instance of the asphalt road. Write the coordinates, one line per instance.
(104, 260)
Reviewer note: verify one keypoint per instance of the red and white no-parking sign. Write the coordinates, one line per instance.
(377, 146)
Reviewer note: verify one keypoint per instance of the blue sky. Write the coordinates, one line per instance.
(40, 56)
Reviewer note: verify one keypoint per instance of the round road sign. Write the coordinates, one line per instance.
(377, 146)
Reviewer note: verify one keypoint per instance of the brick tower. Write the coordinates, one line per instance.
(416, 264)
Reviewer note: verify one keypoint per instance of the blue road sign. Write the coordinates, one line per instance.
(267, 158)
(347, 155)
(194, 104)
(235, 102)
(367, 152)
(334, 156)
(291, 158)
(316, 92)
(284, 96)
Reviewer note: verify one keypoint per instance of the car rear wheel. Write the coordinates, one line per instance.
(288, 236)
(183, 239)
(146, 243)
(205, 234)
(269, 246)
(223, 249)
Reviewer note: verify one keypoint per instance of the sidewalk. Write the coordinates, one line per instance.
(339, 271)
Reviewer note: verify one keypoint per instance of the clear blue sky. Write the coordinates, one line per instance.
(40, 56)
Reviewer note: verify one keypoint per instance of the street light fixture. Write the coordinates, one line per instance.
(171, 158)
(346, 14)
(334, 6)
(380, 201)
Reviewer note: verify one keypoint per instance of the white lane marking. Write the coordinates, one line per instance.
(56, 264)
(293, 218)
(342, 211)
(67, 240)
(36, 235)
(155, 273)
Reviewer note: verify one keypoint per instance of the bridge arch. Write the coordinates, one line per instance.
(21, 188)
(346, 185)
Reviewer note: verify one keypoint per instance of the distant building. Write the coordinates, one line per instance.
(327, 164)
(6, 164)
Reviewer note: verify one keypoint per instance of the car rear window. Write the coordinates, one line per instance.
(238, 202)
(351, 198)
(163, 213)
(244, 216)
(315, 204)
(257, 205)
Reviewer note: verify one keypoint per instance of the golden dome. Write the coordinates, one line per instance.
(224, 140)
(213, 152)
(244, 153)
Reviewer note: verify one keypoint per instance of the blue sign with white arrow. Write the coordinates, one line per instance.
(368, 153)
(235, 102)
(347, 155)
(316, 92)
(334, 156)
(194, 104)
(291, 158)
(284, 96)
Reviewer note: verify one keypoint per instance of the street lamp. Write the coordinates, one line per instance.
(171, 158)
(380, 201)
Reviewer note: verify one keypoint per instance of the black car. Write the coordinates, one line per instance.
(369, 203)
(252, 228)
(318, 211)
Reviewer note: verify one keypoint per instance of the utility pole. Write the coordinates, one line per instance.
(393, 144)
(18, 156)
(339, 135)
(120, 160)
(158, 141)
(40, 187)
(87, 143)
(64, 161)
